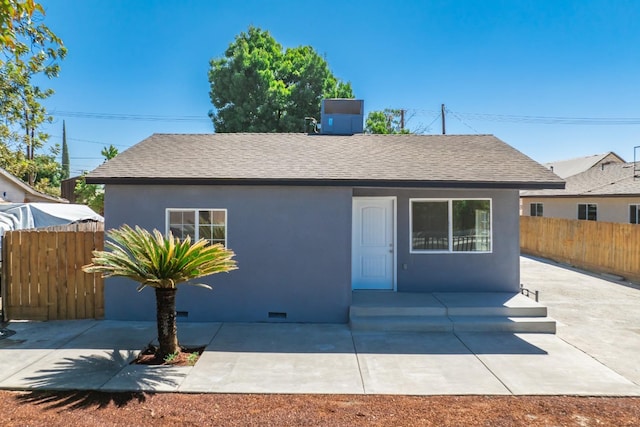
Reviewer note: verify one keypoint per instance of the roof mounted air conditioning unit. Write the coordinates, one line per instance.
(341, 116)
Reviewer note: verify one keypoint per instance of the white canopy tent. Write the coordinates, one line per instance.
(21, 216)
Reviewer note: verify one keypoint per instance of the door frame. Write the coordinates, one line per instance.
(394, 238)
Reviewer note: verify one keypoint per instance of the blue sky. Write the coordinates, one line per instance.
(483, 59)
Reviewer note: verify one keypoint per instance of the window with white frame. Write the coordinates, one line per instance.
(634, 214)
(450, 225)
(208, 224)
(536, 209)
(588, 211)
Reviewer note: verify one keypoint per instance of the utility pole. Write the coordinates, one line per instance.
(442, 114)
(402, 120)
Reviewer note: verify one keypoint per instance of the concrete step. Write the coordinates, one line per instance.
(444, 312)
(490, 304)
(374, 311)
(542, 325)
(539, 311)
(401, 323)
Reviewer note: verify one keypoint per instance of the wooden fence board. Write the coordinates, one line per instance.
(81, 278)
(43, 277)
(3, 288)
(24, 272)
(90, 287)
(71, 276)
(34, 283)
(63, 284)
(40, 273)
(599, 246)
(51, 244)
(98, 244)
(13, 285)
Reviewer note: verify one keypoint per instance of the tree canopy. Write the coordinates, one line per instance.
(92, 195)
(388, 121)
(28, 49)
(259, 87)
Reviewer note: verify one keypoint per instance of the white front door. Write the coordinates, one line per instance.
(373, 240)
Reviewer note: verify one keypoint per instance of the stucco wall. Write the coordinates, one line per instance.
(293, 247)
(498, 271)
(292, 244)
(610, 209)
(12, 192)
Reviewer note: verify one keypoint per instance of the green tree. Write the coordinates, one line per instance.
(47, 172)
(11, 13)
(161, 263)
(65, 153)
(259, 87)
(92, 195)
(44, 168)
(29, 49)
(388, 121)
(109, 152)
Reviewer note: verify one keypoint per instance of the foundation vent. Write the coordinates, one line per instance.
(277, 315)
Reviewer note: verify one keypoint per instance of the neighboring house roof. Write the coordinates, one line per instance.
(37, 196)
(613, 179)
(567, 168)
(311, 159)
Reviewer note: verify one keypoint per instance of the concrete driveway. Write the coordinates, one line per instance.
(591, 355)
(595, 314)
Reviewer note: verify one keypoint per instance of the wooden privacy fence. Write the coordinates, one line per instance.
(42, 277)
(599, 246)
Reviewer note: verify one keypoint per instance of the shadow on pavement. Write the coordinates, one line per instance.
(71, 381)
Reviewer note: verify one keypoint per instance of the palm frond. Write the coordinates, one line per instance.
(152, 259)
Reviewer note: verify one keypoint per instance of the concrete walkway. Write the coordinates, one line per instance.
(591, 355)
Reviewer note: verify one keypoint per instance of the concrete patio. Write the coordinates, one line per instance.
(331, 358)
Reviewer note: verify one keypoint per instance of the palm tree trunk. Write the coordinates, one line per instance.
(166, 318)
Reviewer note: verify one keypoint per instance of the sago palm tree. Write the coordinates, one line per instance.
(161, 263)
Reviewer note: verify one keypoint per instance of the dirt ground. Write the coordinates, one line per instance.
(137, 409)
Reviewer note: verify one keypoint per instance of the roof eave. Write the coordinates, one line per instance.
(576, 196)
(520, 185)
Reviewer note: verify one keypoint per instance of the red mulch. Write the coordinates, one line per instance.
(138, 409)
(187, 356)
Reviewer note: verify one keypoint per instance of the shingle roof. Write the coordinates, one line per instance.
(413, 160)
(613, 179)
(567, 168)
(29, 189)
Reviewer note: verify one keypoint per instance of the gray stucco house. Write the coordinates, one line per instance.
(313, 217)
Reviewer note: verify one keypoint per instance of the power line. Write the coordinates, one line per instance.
(507, 118)
(550, 120)
(133, 117)
(106, 144)
(433, 121)
(455, 115)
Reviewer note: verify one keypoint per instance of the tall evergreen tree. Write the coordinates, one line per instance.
(65, 153)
